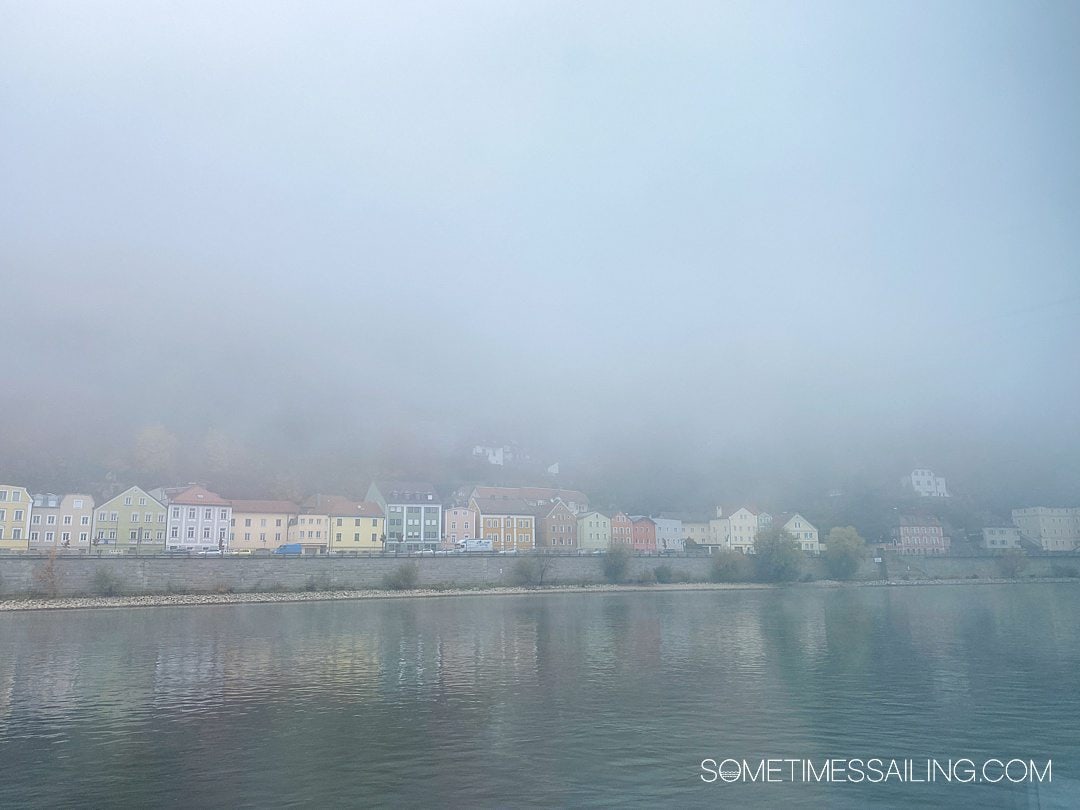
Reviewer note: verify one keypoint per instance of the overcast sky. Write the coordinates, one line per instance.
(823, 229)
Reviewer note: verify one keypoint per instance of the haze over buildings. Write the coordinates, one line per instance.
(687, 252)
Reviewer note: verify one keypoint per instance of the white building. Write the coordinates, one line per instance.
(1053, 528)
(743, 525)
(199, 520)
(1002, 537)
(925, 483)
(804, 532)
(669, 534)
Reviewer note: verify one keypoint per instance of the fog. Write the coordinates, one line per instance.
(691, 252)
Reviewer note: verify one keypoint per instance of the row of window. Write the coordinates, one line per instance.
(17, 515)
(146, 517)
(50, 520)
(208, 513)
(174, 533)
(65, 537)
(14, 495)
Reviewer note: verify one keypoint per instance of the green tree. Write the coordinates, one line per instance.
(617, 562)
(845, 550)
(777, 557)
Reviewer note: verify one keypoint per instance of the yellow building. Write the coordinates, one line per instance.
(15, 508)
(311, 530)
(260, 525)
(510, 524)
(355, 525)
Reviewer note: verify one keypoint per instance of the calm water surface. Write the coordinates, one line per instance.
(566, 700)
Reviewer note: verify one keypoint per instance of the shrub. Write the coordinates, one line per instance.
(648, 577)
(47, 577)
(105, 583)
(526, 571)
(617, 563)
(403, 578)
(730, 566)
(845, 549)
(663, 574)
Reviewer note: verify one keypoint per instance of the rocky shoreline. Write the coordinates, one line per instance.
(199, 599)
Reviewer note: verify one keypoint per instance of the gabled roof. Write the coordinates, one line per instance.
(642, 519)
(784, 518)
(266, 507)
(531, 493)
(546, 509)
(584, 515)
(503, 506)
(199, 496)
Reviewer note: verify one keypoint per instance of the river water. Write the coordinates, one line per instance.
(570, 700)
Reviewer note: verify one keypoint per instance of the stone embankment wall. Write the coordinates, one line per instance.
(72, 575)
(75, 575)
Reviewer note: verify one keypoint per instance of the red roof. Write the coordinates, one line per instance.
(199, 496)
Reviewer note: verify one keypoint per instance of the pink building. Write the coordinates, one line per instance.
(644, 535)
(919, 535)
(459, 523)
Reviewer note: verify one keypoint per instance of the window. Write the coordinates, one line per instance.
(49, 519)
(127, 501)
(134, 517)
(50, 536)
(247, 521)
(133, 535)
(33, 536)
(84, 536)
(224, 514)
(208, 514)
(101, 516)
(84, 520)
(206, 532)
(190, 532)
(4, 495)
(35, 519)
(190, 513)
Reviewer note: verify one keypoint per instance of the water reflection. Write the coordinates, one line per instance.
(585, 700)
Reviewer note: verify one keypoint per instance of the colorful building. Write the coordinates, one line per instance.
(260, 525)
(920, 535)
(622, 530)
(414, 518)
(644, 534)
(594, 531)
(65, 522)
(355, 526)
(459, 523)
(556, 527)
(15, 509)
(198, 520)
(132, 522)
(510, 524)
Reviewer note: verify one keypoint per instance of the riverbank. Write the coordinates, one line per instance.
(200, 599)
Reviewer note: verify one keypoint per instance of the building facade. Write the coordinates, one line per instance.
(356, 526)
(696, 532)
(594, 531)
(804, 532)
(132, 522)
(1002, 538)
(62, 522)
(743, 525)
(1053, 528)
(926, 484)
(622, 530)
(920, 535)
(459, 523)
(644, 534)
(311, 528)
(198, 520)
(414, 519)
(15, 508)
(260, 526)
(556, 527)
(510, 525)
(669, 534)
